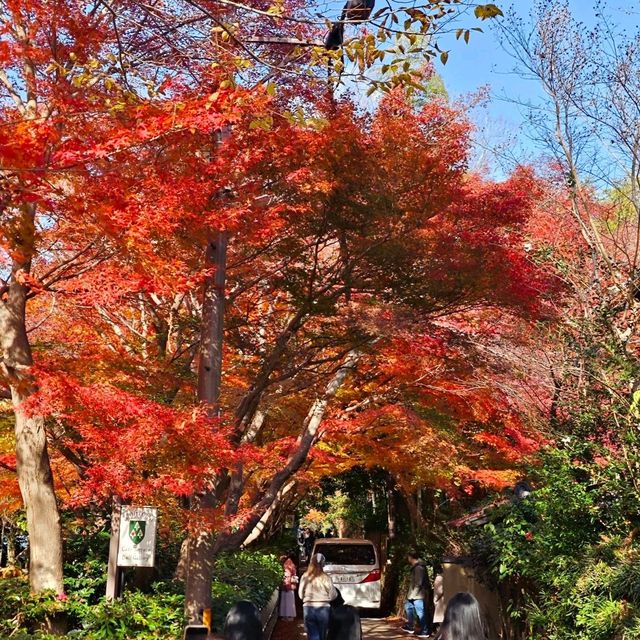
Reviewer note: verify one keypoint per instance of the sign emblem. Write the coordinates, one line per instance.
(137, 538)
(137, 530)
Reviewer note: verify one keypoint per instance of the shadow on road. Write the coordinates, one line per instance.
(372, 629)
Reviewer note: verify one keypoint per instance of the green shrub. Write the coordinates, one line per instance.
(243, 575)
(13, 593)
(21, 610)
(158, 615)
(254, 574)
(571, 547)
(136, 615)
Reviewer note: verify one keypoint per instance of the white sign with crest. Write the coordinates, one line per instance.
(137, 544)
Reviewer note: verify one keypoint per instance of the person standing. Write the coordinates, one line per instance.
(316, 592)
(438, 597)
(302, 554)
(462, 619)
(309, 539)
(288, 587)
(414, 605)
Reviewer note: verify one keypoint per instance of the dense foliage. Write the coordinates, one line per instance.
(402, 335)
(155, 614)
(570, 547)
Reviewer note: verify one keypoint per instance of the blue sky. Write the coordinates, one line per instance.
(482, 62)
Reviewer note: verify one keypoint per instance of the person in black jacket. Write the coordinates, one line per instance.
(344, 623)
(243, 622)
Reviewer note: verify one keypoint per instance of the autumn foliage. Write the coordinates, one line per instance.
(370, 275)
(367, 227)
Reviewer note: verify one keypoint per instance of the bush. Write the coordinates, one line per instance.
(159, 615)
(13, 593)
(136, 615)
(22, 611)
(571, 548)
(244, 575)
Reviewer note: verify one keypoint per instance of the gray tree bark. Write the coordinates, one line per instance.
(32, 457)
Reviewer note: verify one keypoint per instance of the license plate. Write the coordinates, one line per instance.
(346, 579)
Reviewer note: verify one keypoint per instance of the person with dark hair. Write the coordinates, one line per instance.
(414, 605)
(309, 539)
(243, 622)
(462, 619)
(302, 553)
(344, 623)
(316, 592)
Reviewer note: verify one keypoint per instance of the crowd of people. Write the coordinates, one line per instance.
(327, 617)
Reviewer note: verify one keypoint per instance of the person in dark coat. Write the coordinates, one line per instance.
(344, 623)
(309, 539)
(243, 622)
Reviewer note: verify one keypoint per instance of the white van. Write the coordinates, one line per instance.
(354, 567)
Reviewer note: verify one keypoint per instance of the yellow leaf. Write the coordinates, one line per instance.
(485, 11)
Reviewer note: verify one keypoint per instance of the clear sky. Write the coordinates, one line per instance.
(483, 63)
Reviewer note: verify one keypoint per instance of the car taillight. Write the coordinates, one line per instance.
(374, 576)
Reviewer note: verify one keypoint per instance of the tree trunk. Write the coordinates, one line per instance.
(12, 556)
(200, 552)
(36, 485)
(32, 457)
(415, 517)
(263, 523)
(310, 433)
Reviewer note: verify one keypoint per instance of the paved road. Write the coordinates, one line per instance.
(382, 630)
(371, 630)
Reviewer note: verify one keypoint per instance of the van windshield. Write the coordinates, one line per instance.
(362, 554)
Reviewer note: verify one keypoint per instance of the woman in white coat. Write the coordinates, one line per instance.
(439, 604)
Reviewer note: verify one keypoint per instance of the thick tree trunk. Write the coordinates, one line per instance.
(200, 551)
(36, 485)
(32, 458)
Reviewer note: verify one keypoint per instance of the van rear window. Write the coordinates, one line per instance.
(363, 554)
